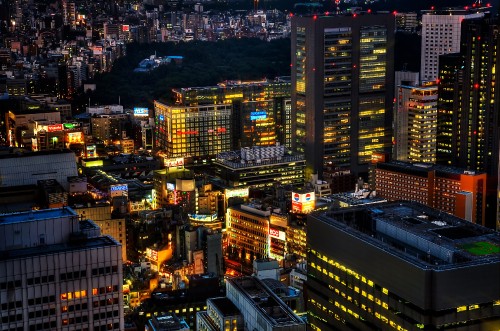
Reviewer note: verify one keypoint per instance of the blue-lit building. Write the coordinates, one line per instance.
(166, 322)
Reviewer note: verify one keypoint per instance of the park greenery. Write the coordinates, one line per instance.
(203, 64)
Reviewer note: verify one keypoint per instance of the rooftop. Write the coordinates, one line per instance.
(280, 289)
(41, 250)
(225, 306)
(167, 322)
(34, 154)
(31, 215)
(467, 10)
(241, 160)
(424, 168)
(275, 311)
(420, 234)
(355, 200)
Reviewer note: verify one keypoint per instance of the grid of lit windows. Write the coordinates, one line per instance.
(193, 131)
(247, 234)
(337, 87)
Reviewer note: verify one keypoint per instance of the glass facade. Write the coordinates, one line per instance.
(259, 124)
(261, 109)
(337, 95)
(300, 90)
(342, 100)
(448, 92)
(193, 131)
(373, 132)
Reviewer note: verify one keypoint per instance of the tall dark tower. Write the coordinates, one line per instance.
(450, 78)
(472, 119)
(342, 89)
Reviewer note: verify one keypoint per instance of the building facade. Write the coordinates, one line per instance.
(58, 273)
(261, 109)
(193, 131)
(441, 31)
(353, 253)
(415, 123)
(247, 229)
(470, 123)
(109, 127)
(453, 190)
(342, 89)
(261, 167)
(114, 227)
(29, 168)
(221, 314)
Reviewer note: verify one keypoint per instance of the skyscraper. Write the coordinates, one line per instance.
(415, 124)
(469, 124)
(342, 89)
(441, 31)
(450, 75)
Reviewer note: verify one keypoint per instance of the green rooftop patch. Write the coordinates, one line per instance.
(481, 248)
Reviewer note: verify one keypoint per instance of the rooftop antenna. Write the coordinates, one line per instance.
(119, 98)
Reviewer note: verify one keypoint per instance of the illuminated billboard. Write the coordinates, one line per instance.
(75, 137)
(275, 233)
(91, 150)
(198, 262)
(177, 162)
(303, 202)
(70, 126)
(118, 190)
(258, 115)
(141, 112)
(55, 127)
(236, 192)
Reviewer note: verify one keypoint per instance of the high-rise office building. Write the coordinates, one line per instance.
(342, 89)
(401, 266)
(261, 110)
(441, 30)
(450, 76)
(468, 117)
(415, 122)
(58, 273)
(193, 131)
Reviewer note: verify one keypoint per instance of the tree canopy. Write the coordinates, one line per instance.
(203, 64)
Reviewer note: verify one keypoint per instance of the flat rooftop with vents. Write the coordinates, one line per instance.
(420, 234)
